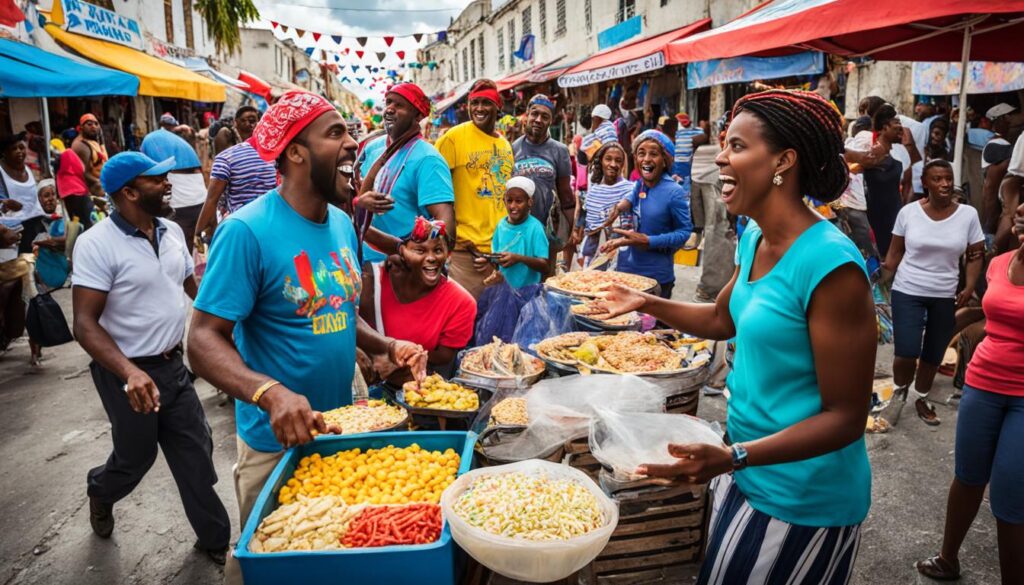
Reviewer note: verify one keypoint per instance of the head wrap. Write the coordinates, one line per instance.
(487, 93)
(87, 118)
(542, 100)
(524, 183)
(44, 183)
(424, 229)
(285, 119)
(663, 141)
(412, 92)
(601, 111)
(684, 119)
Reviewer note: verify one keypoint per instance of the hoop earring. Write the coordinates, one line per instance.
(777, 180)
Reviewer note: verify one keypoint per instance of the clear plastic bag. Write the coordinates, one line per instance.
(530, 560)
(622, 440)
(498, 311)
(561, 409)
(546, 315)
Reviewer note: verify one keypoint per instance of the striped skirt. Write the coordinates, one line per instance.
(747, 547)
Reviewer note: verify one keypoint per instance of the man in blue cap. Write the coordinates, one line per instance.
(131, 274)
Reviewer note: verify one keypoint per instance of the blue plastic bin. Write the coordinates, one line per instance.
(395, 565)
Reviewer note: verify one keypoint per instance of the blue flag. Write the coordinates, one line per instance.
(525, 52)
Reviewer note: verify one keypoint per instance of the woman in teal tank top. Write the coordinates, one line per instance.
(791, 491)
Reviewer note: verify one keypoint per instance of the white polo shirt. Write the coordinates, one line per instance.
(146, 303)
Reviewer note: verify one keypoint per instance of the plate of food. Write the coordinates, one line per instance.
(589, 283)
(372, 417)
(499, 361)
(437, 397)
(589, 314)
(560, 350)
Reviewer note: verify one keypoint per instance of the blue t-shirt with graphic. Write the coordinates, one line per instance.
(292, 288)
(525, 239)
(418, 177)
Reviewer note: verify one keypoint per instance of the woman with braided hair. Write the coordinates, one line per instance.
(791, 491)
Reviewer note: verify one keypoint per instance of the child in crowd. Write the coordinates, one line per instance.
(519, 246)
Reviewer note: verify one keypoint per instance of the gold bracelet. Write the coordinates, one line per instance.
(263, 390)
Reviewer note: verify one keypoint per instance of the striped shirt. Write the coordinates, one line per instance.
(602, 198)
(604, 134)
(248, 176)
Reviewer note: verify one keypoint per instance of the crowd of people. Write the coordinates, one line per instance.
(337, 264)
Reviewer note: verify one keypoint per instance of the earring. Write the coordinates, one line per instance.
(777, 180)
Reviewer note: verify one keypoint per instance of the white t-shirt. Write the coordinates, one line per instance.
(24, 193)
(146, 306)
(853, 197)
(921, 131)
(1017, 158)
(187, 189)
(933, 248)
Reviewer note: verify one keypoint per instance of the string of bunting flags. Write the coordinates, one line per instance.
(388, 40)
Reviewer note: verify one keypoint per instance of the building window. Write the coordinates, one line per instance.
(108, 4)
(527, 20)
(169, 20)
(511, 43)
(501, 49)
(465, 65)
(472, 57)
(186, 6)
(588, 18)
(542, 15)
(559, 18)
(627, 9)
(664, 2)
(480, 48)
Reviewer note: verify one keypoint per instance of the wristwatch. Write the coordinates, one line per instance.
(739, 456)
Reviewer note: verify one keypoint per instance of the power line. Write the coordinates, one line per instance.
(346, 9)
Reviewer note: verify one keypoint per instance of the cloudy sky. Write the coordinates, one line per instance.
(375, 18)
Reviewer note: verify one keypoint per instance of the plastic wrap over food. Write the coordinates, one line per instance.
(622, 440)
(561, 409)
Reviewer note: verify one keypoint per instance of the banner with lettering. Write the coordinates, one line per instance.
(941, 78)
(742, 69)
(636, 66)
(93, 21)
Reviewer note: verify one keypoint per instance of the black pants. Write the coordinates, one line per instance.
(30, 229)
(187, 218)
(80, 206)
(181, 431)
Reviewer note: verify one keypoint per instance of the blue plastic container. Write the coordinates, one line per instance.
(422, 564)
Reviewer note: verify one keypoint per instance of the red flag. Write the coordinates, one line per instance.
(389, 40)
(273, 24)
(401, 54)
(316, 37)
(360, 54)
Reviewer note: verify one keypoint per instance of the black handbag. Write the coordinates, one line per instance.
(46, 323)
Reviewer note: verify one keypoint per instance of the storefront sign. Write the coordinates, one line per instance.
(168, 52)
(619, 33)
(90, 20)
(985, 77)
(742, 69)
(634, 67)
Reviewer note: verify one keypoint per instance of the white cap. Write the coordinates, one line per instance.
(524, 183)
(602, 111)
(999, 110)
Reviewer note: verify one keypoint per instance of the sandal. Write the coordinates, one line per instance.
(926, 412)
(939, 568)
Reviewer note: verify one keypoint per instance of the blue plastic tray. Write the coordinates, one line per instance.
(412, 564)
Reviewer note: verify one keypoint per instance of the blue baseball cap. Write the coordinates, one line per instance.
(125, 166)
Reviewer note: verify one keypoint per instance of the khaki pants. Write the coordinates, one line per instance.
(460, 269)
(251, 470)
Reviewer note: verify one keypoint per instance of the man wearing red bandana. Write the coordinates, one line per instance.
(415, 181)
(275, 322)
(481, 163)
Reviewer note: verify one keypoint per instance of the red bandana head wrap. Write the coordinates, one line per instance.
(285, 119)
(424, 229)
(415, 96)
(85, 118)
(487, 93)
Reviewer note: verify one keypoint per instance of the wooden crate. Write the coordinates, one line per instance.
(660, 536)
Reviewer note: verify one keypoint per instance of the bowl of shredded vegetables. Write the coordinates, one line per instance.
(534, 520)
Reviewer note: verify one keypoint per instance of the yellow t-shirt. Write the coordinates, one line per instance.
(480, 165)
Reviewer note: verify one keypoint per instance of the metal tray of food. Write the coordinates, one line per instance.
(483, 395)
(399, 426)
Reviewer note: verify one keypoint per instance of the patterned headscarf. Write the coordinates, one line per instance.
(424, 229)
(285, 119)
(663, 141)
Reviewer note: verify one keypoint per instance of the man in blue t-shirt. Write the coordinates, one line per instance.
(276, 324)
(415, 181)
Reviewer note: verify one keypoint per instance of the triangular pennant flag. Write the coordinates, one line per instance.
(299, 32)
(418, 37)
(360, 54)
(361, 41)
(316, 37)
(380, 56)
(337, 58)
(432, 65)
(284, 28)
(309, 51)
(273, 24)
(389, 40)
(360, 80)
(345, 79)
(442, 36)
(346, 51)
(336, 39)
(354, 68)
(400, 54)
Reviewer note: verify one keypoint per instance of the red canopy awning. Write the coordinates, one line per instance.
(637, 57)
(510, 81)
(904, 30)
(256, 85)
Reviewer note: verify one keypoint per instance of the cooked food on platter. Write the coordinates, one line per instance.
(594, 312)
(628, 352)
(501, 360)
(560, 349)
(592, 282)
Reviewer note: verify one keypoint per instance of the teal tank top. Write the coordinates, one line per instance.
(773, 384)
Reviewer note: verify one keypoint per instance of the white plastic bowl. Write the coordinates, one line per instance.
(528, 560)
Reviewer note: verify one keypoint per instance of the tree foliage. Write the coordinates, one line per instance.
(224, 19)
